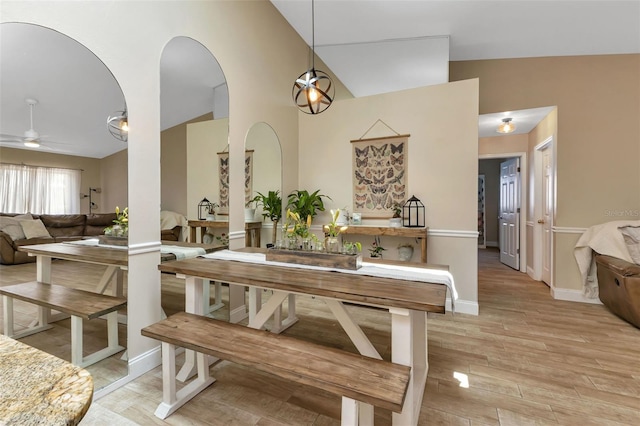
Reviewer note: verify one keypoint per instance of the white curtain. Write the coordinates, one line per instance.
(39, 190)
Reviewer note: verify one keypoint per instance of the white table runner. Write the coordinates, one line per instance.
(380, 270)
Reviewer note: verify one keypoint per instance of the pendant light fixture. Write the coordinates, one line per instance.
(313, 91)
(118, 125)
(506, 126)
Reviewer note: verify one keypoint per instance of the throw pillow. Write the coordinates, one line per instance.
(34, 229)
(631, 235)
(10, 225)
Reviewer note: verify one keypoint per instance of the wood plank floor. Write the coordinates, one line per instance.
(525, 360)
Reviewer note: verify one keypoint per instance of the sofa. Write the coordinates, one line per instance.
(28, 229)
(57, 228)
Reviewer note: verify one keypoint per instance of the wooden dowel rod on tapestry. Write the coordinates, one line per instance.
(382, 138)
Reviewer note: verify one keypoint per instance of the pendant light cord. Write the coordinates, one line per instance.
(313, 35)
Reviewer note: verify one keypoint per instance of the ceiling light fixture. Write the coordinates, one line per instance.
(506, 126)
(31, 143)
(118, 125)
(313, 91)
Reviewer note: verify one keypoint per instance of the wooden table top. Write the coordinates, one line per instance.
(99, 254)
(38, 388)
(367, 290)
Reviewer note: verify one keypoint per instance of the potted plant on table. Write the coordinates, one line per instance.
(396, 220)
(271, 208)
(376, 249)
(332, 231)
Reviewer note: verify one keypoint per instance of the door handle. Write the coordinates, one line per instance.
(541, 221)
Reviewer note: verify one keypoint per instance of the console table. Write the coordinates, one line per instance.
(252, 229)
(379, 231)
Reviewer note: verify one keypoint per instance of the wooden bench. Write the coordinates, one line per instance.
(358, 379)
(80, 304)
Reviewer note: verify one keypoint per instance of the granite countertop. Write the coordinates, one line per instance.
(37, 388)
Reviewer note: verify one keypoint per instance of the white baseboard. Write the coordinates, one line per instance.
(137, 367)
(532, 274)
(463, 307)
(572, 296)
(492, 244)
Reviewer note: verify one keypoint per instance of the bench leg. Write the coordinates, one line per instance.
(7, 315)
(409, 347)
(36, 326)
(194, 297)
(356, 413)
(112, 348)
(172, 400)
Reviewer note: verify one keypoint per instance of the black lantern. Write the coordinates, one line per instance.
(203, 208)
(413, 213)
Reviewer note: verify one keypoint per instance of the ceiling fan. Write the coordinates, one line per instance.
(30, 138)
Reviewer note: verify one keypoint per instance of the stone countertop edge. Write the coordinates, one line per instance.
(37, 388)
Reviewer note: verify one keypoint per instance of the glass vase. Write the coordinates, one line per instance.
(332, 245)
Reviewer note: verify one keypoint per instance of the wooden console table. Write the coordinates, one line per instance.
(252, 229)
(379, 231)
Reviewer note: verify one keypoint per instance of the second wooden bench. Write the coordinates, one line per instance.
(80, 304)
(356, 378)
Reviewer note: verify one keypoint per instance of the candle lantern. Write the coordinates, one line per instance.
(203, 208)
(413, 213)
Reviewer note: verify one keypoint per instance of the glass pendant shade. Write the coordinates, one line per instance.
(118, 125)
(506, 126)
(313, 91)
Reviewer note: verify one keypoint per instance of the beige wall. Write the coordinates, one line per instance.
(598, 137)
(173, 166)
(443, 164)
(114, 181)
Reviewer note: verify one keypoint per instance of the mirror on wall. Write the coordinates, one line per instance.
(266, 157)
(58, 93)
(194, 103)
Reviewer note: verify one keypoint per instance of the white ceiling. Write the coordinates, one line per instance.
(76, 93)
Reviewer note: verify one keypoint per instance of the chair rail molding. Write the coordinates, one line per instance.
(568, 230)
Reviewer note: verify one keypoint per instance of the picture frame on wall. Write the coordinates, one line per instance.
(379, 175)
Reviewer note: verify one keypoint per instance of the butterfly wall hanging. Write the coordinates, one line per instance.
(379, 174)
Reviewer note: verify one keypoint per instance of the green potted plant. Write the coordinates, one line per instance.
(271, 205)
(306, 204)
(396, 219)
(376, 249)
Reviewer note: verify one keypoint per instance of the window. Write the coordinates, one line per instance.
(39, 190)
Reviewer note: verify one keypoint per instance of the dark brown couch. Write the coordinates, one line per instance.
(619, 287)
(61, 227)
(64, 228)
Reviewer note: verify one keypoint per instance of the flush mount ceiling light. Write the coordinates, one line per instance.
(313, 91)
(118, 125)
(506, 126)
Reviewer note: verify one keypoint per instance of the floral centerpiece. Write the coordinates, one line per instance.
(333, 230)
(121, 224)
(295, 227)
(117, 234)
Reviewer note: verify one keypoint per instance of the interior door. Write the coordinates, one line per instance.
(547, 208)
(509, 216)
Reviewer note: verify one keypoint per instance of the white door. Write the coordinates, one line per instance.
(547, 208)
(509, 216)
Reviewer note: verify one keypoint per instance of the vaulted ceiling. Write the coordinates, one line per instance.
(394, 37)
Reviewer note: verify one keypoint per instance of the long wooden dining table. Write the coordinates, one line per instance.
(408, 303)
(116, 260)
